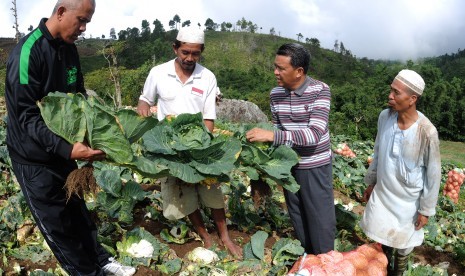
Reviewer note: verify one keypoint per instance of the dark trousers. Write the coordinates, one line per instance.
(312, 209)
(66, 226)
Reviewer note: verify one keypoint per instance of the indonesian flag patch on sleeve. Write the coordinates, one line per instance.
(197, 91)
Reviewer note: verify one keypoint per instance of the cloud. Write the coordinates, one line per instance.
(129, 14)
(382, 29)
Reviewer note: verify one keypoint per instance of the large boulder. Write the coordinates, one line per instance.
(239, 111)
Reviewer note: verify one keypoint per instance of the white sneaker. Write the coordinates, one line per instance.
(114, 268)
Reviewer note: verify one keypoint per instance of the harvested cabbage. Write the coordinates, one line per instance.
(142, 249)
(202, 255)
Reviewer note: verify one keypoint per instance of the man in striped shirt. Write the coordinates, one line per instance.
(300, 110)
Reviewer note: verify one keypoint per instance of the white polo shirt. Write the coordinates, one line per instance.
(164, 88)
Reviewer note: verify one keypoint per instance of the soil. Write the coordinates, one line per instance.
(422, 254)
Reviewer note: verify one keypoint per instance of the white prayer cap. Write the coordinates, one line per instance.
(191, 34)
(412, 80)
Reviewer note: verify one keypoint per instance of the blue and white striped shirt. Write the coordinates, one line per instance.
(301, 118)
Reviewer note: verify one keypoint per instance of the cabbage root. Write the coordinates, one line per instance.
(81, 181)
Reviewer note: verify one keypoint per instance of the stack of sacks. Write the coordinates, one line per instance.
(455, 179)
(344, 150)
(367, 259)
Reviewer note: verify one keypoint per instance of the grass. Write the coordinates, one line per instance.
(453, 152)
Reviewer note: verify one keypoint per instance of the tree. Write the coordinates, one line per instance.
(172, 24)
(238, 24)
(30, 28)
(299, 37)
(314, 42)
(158, 29)
(336, 46)
(123, 35)
(16, 26)
(177, 20)
(229, 26)
(251, 27)
(145, 31)
(342, 49)
(112, 33)
(272, 31)
(110, 54)
(223, 27)
(243, 24)
(133, 33)
(186, 23)
(209, 25)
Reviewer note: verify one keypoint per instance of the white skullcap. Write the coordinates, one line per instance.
(191, 35)
(412, 80)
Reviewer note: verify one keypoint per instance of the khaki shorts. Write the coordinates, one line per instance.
(182, 199)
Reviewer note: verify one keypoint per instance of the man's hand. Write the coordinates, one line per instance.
(143, 109)
(83, 152)
(367, 192)
(421, 221)
(259, 135)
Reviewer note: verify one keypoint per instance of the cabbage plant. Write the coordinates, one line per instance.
(76, 118)
(140, 247)
(189, 151)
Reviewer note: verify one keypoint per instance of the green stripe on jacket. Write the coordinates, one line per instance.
(25, 53)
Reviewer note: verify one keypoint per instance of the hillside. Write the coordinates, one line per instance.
(7, 43)
(243, 65)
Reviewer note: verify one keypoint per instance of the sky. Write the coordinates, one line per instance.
(375, 29)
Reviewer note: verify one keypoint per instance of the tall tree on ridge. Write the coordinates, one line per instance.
(16, 25)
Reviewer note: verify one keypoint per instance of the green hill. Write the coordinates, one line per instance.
(243, 64)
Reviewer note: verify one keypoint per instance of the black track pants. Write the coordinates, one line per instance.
(66, 226)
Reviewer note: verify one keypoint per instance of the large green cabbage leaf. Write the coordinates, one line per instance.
(188, 132)
(158, 141)
(277, 170)
(272, 165)
(257, 242)
(262, 161)
(76, 118)
(63, 115)
(189, 150)
(286, 251)
(217, 159)
(118, 200)
(134, 126)
(105, 133)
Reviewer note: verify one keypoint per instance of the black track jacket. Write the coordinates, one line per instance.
(38, 65)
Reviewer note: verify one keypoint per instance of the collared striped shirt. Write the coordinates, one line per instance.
(301, 118)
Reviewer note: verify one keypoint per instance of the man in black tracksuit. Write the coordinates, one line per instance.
(44, 61)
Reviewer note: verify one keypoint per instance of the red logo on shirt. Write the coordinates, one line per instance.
(197, 91)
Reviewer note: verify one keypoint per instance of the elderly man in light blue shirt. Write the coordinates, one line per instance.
(405, 175)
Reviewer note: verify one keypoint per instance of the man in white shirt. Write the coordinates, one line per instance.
(184, 86)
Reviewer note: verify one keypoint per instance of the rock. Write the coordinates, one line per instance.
(239, 111)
